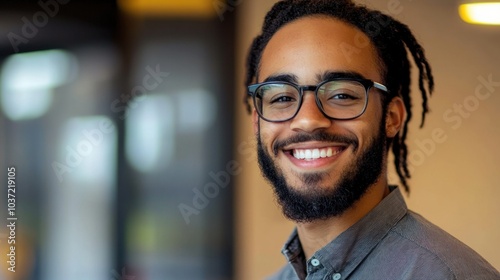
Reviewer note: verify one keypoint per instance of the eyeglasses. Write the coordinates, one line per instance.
(340, 99)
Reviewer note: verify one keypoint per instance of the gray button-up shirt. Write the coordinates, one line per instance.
(389, 243)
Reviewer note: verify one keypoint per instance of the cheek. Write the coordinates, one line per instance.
(268, 132)
(367, 126)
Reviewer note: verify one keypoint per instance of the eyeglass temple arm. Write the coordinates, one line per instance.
(380, 86)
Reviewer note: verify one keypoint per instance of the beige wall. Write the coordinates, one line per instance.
(454, 184)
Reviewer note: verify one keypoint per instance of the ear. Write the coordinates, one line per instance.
(396, 113)
(255, 121)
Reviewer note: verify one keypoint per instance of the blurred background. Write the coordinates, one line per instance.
(134, 155)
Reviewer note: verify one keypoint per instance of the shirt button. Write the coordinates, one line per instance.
(336, 276)
(314, 262)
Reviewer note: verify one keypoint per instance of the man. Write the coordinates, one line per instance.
(330, 86)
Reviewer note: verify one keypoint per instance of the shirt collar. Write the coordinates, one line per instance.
(345, 253)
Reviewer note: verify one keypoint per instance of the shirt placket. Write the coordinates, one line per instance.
(317, 271)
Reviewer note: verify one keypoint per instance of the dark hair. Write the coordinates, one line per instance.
(391, 39)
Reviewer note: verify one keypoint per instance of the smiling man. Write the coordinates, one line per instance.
(330, 86)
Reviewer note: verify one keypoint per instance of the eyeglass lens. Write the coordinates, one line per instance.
(342, 99)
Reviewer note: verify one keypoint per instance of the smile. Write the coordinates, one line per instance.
(312, 154)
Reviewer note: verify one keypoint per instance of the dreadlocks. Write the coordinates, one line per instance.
(391, 39)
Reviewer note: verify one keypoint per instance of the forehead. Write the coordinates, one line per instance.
(311, 46)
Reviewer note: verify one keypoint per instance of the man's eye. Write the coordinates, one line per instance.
(341, 96)
(283, 98)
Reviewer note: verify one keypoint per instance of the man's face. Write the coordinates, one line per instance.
(351, 152)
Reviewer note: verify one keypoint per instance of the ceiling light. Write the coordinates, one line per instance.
(480, 12)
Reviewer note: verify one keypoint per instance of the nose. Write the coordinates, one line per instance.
(309, 117)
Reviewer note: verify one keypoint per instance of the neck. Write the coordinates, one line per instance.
(317, 234)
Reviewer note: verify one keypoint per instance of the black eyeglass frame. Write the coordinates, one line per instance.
(368, 84)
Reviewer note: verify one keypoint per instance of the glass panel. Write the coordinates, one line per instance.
(75, 219)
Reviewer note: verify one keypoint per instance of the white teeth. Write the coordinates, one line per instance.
(315, 153)
(323, 153)
(309, 154)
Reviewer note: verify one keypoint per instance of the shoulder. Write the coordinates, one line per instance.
(285, 273)
(431, 246)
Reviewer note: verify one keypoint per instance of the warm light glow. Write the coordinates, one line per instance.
(481, 13)
(189, 8)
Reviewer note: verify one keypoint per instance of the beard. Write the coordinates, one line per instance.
(315, 202)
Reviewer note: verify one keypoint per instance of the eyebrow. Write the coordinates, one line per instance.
(290, 78)
(327, 75)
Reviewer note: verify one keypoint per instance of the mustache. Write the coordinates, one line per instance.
(320, 136)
